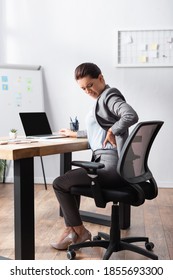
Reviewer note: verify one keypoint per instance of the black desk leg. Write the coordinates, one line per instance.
(65, 165)
(4, 172)
(24, 209)
(65, 162)
(106, 220)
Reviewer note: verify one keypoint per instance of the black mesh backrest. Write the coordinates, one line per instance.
(132, 165)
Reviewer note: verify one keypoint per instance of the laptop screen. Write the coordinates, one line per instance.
(35, 123)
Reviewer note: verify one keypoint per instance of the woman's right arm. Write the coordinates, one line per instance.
(74, 134)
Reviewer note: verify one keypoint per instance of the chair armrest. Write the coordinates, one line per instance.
(91, 168)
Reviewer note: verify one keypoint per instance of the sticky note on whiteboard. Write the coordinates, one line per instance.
(4, 86)
(143, 59)
(154, 46)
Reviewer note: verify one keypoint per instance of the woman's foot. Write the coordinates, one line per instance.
(68, 237)
(82, 234)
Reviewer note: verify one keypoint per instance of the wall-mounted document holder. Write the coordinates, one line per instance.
(145, 48)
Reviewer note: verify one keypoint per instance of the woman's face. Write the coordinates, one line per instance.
(93, 87)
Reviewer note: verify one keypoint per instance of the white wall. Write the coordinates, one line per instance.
(60, 34)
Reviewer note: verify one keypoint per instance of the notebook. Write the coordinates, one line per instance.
(36, 125)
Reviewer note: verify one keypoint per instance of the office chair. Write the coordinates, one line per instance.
(136, 185)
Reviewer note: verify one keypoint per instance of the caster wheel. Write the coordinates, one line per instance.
(149, 246)
(97, 237)
(71, 255)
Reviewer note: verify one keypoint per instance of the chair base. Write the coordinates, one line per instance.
(113, 243)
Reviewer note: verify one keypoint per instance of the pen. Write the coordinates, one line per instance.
(74, 124)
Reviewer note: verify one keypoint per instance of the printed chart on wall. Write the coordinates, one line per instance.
(21, 90)
(145, 48)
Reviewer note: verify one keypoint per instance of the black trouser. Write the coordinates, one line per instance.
(78, 177)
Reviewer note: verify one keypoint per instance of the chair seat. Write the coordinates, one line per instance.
(125, 194)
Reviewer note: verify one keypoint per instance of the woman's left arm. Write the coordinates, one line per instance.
(110, 138)
(127, 116)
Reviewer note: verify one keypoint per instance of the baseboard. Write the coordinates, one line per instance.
(37, 180)
(49, 180)
(165, 184)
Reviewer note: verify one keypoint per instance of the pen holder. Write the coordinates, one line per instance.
(74, 126)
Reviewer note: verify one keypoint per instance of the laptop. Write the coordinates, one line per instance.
(36, 125)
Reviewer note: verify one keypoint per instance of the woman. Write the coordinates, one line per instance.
(106, 129)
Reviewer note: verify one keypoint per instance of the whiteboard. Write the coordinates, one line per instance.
(145, 48)
(21, 90)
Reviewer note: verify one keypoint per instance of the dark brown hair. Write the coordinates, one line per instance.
(87, 69)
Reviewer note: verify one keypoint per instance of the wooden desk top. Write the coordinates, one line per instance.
(42, 148)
